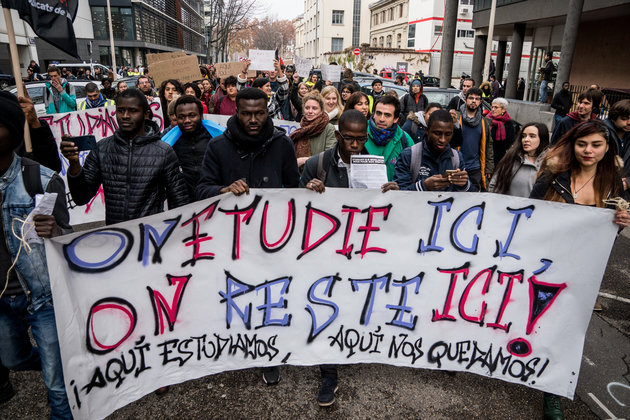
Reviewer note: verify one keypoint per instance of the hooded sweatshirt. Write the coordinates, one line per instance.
(412, 102)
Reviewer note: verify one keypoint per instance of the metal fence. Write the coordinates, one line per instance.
(608, 100)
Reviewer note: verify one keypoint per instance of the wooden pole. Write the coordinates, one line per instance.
(111, 40)
(17, 75)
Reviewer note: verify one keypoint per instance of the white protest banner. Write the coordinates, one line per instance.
(478, 283)
(331, 72)
(101, 123)
(289, 126)
(262, 59)
(303, 66)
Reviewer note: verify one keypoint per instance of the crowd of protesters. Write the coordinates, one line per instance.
(425, 148)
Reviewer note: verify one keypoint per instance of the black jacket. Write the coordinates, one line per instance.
(623, 148)
(563, 127)
(562, 102)
(190, 150)
(273, 165)
(408, 104)
(45, 150)
(137, 176)
(561, 183)
(334, 176)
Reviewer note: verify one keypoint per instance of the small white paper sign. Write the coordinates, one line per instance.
(44, 204)
(303, 66)
(262, 59)
(331, 72)
(367, 171)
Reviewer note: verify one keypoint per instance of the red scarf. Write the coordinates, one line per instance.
(499, 123)
(575, 116)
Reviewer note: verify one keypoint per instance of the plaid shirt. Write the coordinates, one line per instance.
(274, 105)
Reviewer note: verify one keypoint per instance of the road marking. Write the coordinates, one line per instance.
(613, 297)
(603, 407)
(589, 361)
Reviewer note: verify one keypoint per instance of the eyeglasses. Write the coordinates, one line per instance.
(351, 140)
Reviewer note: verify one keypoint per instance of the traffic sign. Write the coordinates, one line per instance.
(357, 51)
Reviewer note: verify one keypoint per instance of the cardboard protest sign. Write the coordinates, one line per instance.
(154, 58)
(303, 66)
(478, 283)
(101, 123)
(233, 68)
(331, 72)
(289, 126)
(262, 59)
(185, 69)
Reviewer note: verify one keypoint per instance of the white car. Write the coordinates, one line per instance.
(36, 92)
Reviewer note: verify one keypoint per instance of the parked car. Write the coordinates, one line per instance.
(366, 87)
(36, 92)
(392, 74)
(6, 80)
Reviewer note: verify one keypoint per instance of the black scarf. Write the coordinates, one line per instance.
(243, 140)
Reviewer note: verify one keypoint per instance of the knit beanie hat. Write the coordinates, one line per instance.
(11, 116)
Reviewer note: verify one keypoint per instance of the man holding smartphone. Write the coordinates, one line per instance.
(138, 171)
(59, 95)
(433, 165)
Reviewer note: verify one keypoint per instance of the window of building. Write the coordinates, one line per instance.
(336, 44)
(412, 31)
(337, 18)
(383, 16)
(375, 19)
(374, 41)
(463, 33)
(122, 23)
(466, 2)
(391, 13)
(389, 41)
(437, 29)
(356, 22)
(400, 11)
(411, 43)
(381, 42)
(398, 40)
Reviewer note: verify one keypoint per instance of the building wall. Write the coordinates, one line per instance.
(319, 30)
(597, 57)
(389, 23)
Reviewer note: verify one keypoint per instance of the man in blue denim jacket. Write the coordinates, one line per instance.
(26, 298)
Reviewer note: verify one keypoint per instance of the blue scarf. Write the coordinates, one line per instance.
(175, 133)
(97, 103)
(381, 136)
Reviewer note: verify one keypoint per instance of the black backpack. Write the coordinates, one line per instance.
(31, 177)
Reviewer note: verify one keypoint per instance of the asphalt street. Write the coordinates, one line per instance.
(380, 391)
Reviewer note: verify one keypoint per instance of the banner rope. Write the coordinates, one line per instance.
(23, 244)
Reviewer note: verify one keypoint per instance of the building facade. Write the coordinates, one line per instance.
(425, 34)
(596, 28)
(389, 23)
(331, 26)
(143, 27)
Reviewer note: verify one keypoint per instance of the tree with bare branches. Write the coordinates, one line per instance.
(223, 18)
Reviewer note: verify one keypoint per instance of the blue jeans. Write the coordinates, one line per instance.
(542, 97)
(17, 353)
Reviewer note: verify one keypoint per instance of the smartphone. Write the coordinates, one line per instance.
(84, 142)
(449, 172)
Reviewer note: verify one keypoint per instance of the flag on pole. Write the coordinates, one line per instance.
(51, 20)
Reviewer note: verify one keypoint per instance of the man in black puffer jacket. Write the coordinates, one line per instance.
(138, 170)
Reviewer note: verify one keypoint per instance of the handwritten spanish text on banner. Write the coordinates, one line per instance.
(478, 283)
